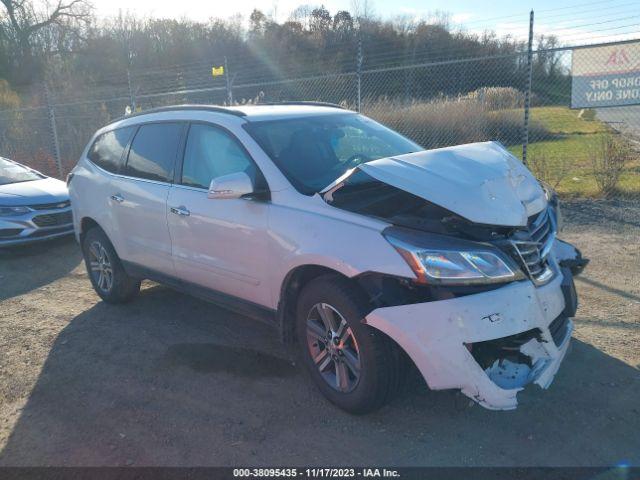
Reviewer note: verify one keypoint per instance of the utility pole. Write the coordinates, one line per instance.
(527, 92)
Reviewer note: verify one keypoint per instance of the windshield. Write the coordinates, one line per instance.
(11, 172)
(314, 151)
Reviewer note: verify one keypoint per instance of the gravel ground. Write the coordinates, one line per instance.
(171, 380)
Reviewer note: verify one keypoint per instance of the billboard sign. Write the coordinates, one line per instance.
(605, 76)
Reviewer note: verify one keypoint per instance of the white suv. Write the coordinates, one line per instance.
(349, 238)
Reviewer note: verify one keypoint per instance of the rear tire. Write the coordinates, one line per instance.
(370, 360)
(107, 275)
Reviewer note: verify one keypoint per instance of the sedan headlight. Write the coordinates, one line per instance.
(13, 211)
(462, 263)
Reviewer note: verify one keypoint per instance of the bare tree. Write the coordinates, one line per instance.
(24, 19)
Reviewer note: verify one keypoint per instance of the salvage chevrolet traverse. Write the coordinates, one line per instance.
(356, 243)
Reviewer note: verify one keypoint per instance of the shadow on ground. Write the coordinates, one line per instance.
(28, 267)
(171, 380)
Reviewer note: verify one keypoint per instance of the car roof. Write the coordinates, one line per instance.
(253, 113)
(250, 113)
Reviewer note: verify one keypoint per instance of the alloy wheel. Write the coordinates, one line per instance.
(333, 347)
(100, 265)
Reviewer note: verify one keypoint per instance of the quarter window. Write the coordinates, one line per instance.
(153, 151)
(107, 150)
(211, 152)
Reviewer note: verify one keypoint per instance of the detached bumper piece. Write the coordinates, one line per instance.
(570, 257)
(515, 361)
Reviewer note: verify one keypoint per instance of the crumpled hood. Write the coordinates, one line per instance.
(481, 182)
(47, 190)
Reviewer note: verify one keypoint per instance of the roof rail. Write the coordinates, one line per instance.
(302, 103)
(172, 108)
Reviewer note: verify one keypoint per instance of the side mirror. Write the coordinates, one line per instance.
(233, 185)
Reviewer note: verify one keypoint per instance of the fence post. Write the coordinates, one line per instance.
(228, 80)
(359, 73)
(53, 131)
(527, 92)
(132, 94)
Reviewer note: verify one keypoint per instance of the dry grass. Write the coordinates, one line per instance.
(453, 121)
(498, 98)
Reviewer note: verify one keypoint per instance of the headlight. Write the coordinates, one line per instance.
(461, 263)
(13, 211)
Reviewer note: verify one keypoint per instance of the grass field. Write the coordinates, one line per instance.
(567, 155)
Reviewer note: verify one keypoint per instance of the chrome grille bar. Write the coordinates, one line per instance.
(532, 252)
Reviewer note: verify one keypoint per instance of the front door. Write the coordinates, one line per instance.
(218, 243)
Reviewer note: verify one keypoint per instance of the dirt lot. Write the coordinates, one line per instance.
(170, 380)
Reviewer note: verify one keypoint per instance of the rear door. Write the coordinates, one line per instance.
(219, 243)
(91, 187)
(139, 196)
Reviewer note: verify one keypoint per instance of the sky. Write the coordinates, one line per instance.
(574, 21)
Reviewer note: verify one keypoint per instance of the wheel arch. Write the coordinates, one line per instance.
(292, 285)
(87, 223)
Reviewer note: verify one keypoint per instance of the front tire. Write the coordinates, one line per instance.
(107, 275)
(355, 366)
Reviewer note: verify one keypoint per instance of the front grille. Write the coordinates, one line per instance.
(10, 232)
(53, 219)
(51, 206)
(533, 245)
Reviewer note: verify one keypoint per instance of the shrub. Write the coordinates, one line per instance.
(609, 155)
(550, 170)
(8, 98)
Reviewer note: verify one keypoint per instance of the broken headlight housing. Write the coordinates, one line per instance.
(442, 260)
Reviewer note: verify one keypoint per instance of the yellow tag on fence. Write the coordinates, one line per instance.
(217, 71)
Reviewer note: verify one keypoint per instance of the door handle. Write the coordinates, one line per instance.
(117, 198)
(182, 211)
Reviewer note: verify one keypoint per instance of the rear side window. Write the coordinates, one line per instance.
(107, 150)
(153, 151)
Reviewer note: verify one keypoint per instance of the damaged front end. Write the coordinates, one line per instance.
(490, 345)
(489, 310)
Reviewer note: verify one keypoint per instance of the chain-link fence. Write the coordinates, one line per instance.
(438, 103)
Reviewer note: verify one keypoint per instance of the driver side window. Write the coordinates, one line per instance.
(210, 153)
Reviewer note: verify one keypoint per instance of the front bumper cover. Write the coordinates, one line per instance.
(439, 337)
(24, 229)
